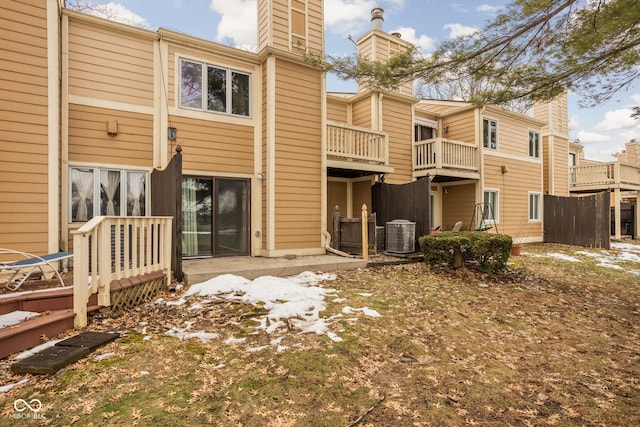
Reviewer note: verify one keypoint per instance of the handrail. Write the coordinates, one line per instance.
(109, 248)
(357, 143)
(445, 153)
(609, 173)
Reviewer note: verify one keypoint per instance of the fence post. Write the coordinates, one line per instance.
(365, 233)
(80, 278)
(335, 240)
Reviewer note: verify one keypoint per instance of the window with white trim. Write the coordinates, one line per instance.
(534, 144)
(490, 207)
(534, 206)
(490, 134)
(212, 88)
(106, 191)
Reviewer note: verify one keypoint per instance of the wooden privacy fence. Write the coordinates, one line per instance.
(348, 235)
(580, 221)
(410, 201)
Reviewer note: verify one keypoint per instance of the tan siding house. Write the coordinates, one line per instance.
(92, 108)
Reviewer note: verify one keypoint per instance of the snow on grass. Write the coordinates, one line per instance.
(563, 257)
(6, 388)
(296, 301)
(620, 252)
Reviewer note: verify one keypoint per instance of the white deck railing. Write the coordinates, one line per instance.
(604, 174)
(110, 248)
(441, 153)
(357, 143)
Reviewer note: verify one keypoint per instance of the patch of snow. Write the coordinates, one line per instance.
(143, 373)
(365, 310)
(6, 388)
(182, 333)
(333, 337)
(563, 257)
(220, 366)
(104, 356)
(234, 340)
(34, 350)
(15, 317)
(365, 294)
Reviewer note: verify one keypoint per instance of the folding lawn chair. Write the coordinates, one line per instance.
(30, 264)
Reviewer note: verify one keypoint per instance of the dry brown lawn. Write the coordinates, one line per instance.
(549, 342)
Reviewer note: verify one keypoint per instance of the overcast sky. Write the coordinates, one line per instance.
(425, 23)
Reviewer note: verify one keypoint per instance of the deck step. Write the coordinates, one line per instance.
(28, 333)
(42, 301)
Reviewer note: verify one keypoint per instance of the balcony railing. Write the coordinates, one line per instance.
(111, 248)
(353, 143)
(441, 153)
(611, 174)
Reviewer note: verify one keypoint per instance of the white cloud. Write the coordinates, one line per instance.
(636, 98)
(344, 16)
(459, 30)
(485, 8)
(586, 137)
(616, 120)
(574, 122)
(238, 22)
(423, 43)
(117, 12)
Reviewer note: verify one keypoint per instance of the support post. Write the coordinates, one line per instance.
(365, 233)
(335, 239)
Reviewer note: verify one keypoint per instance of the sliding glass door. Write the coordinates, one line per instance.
(215, 216)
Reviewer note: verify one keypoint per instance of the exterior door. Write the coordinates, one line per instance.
(215, 218)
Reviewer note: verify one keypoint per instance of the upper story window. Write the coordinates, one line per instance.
(422, 132)
(534, 144)
(212, 88)
(490, 134)
(102, 191)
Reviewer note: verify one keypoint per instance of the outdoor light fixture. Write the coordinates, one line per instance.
(172, 133)
(260, 175)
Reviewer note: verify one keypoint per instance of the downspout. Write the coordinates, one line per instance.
(327, 246)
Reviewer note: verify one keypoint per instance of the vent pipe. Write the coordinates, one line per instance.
(377, 18)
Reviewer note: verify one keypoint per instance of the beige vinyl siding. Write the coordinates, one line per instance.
(110, 65)
(546, 161)
(90, 143)
(337, 111)
(263, 24)
(297, 156)
(461, 127)
(265, 158)
(513, 135)
(214, 146)
(361, 196)
(458, 201)
(280, 23)
(316, 25)
(362, 113)
(336, 196)
(397, 123)
(440, 109)
(514, 187)
(23, 118)
(561, 167)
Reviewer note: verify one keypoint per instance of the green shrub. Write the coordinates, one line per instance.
(484, 251)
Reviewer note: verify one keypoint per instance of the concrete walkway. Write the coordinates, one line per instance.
(200, 270)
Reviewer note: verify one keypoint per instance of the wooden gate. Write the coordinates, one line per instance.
(347, 234)
(166, 200)
(580, 221)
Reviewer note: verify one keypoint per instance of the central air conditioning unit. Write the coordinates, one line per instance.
(400, 236)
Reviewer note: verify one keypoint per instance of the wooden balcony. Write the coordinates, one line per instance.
(446, 158)
(603, 176)
(354, 150)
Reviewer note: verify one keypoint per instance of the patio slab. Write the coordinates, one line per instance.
(200, 270)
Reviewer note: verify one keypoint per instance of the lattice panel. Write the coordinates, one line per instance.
(137, 294)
